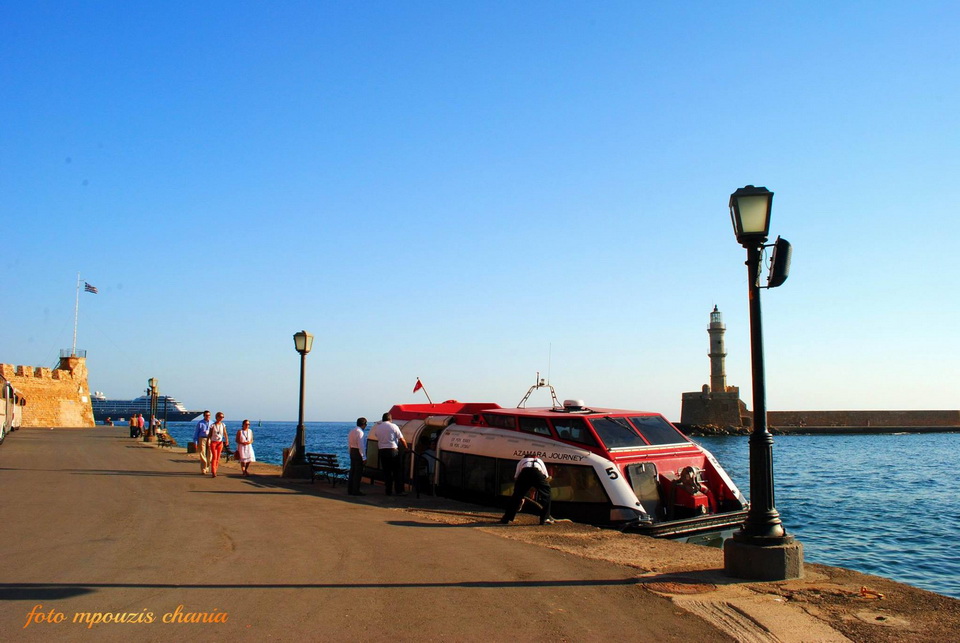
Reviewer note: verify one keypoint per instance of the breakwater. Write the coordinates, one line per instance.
(840, 422)
(710, 430)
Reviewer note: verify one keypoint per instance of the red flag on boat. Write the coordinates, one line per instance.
(417, 386)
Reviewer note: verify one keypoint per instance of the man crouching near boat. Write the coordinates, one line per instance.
(531, 473)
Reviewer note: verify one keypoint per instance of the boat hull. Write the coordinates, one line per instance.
(118, 410)
(171, 416)
(635, 487)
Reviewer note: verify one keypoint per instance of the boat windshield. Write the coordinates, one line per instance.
(616, 433)
(657, 430)
(573, 429)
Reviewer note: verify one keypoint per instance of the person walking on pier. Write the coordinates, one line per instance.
(201, 438)
(357, 443)
(218, 442)
(245, 453)
(133, 425)
(389, 440)
(531, 473)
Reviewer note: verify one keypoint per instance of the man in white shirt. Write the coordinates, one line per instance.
(389, 440)
(531, 473)
(357, 443)
(201, 437)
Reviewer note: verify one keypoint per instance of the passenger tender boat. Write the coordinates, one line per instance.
(630, 469)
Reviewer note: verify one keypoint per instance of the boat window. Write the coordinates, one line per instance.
(451, 473)
(657, 430)
(575, 483)
(574, 430)
(616, 433)
(500, 421)
(534, 425)
(479, 474)
(506, 470)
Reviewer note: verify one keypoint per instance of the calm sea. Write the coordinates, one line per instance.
(880, 504)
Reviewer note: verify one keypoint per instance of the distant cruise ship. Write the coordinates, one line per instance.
(116, 410)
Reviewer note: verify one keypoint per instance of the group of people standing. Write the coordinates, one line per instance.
(212, 440)
(389, 440)
(137, 424)
(531, 473)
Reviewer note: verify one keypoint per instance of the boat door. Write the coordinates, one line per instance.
(423, 465)
(644, 480)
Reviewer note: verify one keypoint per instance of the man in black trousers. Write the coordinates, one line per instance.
(357, 443)
(531, 473)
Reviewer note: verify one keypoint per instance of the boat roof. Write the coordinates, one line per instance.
(450, 407)
(584, 411)
(453, 407)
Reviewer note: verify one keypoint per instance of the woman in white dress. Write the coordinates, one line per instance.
(245, 447)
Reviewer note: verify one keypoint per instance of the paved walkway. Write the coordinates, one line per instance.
(101, 526)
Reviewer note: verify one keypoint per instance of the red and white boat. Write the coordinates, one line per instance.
(631, 469)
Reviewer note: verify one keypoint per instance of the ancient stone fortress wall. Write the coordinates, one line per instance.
(714, 409)
(58, 397)
(904, 419)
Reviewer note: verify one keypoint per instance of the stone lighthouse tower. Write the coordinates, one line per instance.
(718, 354)
(716, 404)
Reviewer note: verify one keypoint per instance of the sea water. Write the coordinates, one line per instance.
(880, 504)
(271, 438)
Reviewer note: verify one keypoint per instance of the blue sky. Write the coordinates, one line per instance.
(471, 193)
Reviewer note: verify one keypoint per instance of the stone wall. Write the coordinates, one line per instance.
(56, 398)
(714, 409)
(904, 419)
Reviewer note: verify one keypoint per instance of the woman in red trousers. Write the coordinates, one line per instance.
(218, 441)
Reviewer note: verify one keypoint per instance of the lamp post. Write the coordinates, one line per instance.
(296, 463)
(150, 434)
(761, 549)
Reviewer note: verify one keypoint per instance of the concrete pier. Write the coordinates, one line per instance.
(109, 538)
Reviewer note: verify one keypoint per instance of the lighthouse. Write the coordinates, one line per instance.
(717, 354)
(716, 403)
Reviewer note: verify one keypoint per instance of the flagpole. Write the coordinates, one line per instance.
(76, 318)
(423, 388)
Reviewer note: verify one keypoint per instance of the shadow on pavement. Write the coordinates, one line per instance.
(25, 591)
(41, 592)
(414, 523)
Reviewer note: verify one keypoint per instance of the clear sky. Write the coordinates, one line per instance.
(472, 192)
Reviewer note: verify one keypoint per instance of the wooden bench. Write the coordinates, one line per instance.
(325, 465)
(164, 440)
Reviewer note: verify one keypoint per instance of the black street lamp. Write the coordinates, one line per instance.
(303, 341)
(761, 549)
(150, 434)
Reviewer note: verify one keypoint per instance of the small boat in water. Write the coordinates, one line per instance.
(630, 469)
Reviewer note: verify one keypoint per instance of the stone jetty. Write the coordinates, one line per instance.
(107, 538)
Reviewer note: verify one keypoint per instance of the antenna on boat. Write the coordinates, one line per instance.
(541, 383)
(549, 360)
